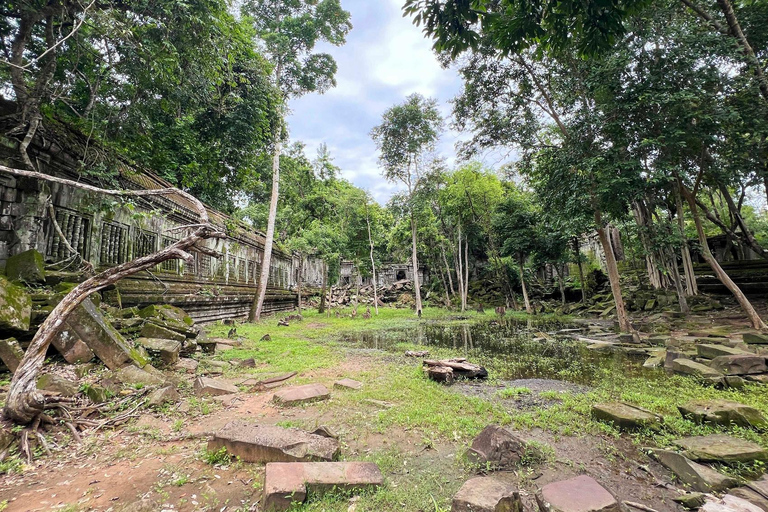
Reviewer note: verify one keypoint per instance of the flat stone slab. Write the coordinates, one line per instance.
(212, 387)
(348, 384)
(301, 394)
(698, 477)
(187, 364)
(151, 330)
(166, 350)
(711, 351)
(721, 448)
(723, 412)
(580, 494)
(132, 376)
(268, 443)
(286, 483)
(755, 338)
(484, 494)
(743, 364)
(689, 367)
(729, 503)
(625, 416)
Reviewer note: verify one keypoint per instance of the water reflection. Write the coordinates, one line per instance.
(510, 349)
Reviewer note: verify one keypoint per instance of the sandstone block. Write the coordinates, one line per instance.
(152, 330)
(723, 412)
(625, 416)
(699, 478)
(15, 306)
(11, 353)
(688, 367)
(26, 267)
(721, 448)
(742, 364)
(301, 394)
(205, 386)
(484, 494)
(164, 349)
(268, 443)
(580, 494)
(348, 384)
(56, 384)
(711, 351)
(496, 447)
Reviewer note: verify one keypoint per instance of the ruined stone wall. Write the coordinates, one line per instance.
(386, 275)
(108, 231)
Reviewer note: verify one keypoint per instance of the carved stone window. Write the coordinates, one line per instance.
(171, 266)
(114, 244)
(144, 243)
(77, 231)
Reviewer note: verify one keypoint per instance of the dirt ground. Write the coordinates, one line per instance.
(154, 463)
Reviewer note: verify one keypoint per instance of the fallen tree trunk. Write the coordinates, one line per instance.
(459, 367)
(24, 403)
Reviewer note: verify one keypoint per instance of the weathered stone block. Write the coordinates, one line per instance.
(286, 483)
(688, 367)
(56, 384)
(15, 306)
(133, 376)
(166, 350)
(97, 394)
(11, 353)
(108, 344)
(721, 448)
(26, 267)
(71, 346)
(754, 338)
(742, 364)
(484, 494)
(301, 394)
(165, 394)
(167, 312)
(625, 416)
(711, 351)
(212, 387)
(267, 443)
(728, 503)
(580, 494)
(348, 384)
(188, 365)
(723, 412)
(496, 447)
(152, 330)
(698, 477)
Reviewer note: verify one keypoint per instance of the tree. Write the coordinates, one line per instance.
(290, 30)
(405, 139)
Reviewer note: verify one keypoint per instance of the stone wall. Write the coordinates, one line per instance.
(107, 231)
(386, 275)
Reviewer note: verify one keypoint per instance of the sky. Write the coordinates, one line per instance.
(385, 59)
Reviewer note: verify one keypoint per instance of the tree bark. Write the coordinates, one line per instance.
(415, 261)
(613, 275)
(528, 308)
(561, 283)
(24, 403)
(577, 253)
(691, 287)
(754, 318)
(447, 267)
(321, 308)
(258, 302)
(373, 263)
(679, 290)
(466, 271)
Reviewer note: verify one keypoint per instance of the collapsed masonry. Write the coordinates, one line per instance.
(106, 233)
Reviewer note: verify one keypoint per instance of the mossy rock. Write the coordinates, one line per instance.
(166, 311)
(15, 306)
(26, 267)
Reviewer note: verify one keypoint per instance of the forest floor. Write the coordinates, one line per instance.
(417, 431)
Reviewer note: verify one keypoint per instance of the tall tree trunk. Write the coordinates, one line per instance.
(298, 280)
(613, 275)
(645, 231)
(466, 271)
(258, 301)
(415, 260)
(724, 278)
(561, 282)
(528, 308)
(691, 287)
(577, 254)
(460, 273)
(447, 267)
(676, 280)
(373, 263)
(321, 308)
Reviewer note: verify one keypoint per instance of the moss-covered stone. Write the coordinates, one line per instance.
(15, 306)
(26, 267)
(167, 312)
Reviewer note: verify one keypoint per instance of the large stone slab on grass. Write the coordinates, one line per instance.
(751, 496)
(101, 337)
(167, 312)
(15, 306)
(723, 412)
(580, 494)
(301, 394)
(26, 267)
(698, 477)
(625, 416)
(689, 367)
(484, 494)
(348, 384)
(268, 443)
(721, 448)
(286, 483)
(760, 485)
(743, 364)
(164, 349)
(206, 386)
(496, 447)
(711, 351)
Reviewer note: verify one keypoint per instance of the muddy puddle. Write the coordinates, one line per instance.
(511, 350)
